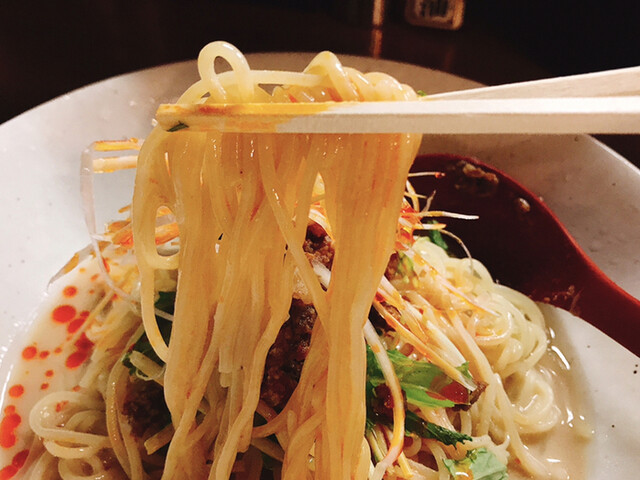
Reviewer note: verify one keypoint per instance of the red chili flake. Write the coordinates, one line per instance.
(84, 314)
(456, 393)
(29, 352)
(63, 314)
(44, 386)
(61, 405)
(8, 426)
(106, 265)
(57, 350)
(76, 388)
(9, 409)
(48, 373)
(74, 325)
(70, 291)
(44, 354)
(94, 277)
(16, 391)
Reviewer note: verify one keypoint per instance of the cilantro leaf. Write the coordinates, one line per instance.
(417, 379)
(421, 381)
(436, 237)
(408, 371)
(166, 302)
(419, 397)
(479, 464)
(464, 370)
(424, 429)
(178, 126)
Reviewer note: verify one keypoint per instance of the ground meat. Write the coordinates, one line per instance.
(567, 299)
(381, 404)
(318, 245)
(475, 395)
(287, 355)
(145, 407)
(474, 180)
(378, 321)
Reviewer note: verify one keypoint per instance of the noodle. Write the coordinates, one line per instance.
(223, 220)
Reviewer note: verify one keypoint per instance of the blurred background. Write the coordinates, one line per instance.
(48, 48)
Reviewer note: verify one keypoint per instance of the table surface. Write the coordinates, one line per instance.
(47, 50)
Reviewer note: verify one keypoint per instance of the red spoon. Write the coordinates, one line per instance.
(525, 246)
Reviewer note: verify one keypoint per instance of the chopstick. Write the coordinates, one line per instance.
(600, 102)
(622, 81)
(565, 115)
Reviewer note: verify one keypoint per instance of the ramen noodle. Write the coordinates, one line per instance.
(282, 306)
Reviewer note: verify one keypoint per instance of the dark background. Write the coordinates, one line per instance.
(48, 48)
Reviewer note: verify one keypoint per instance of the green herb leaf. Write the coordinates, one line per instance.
(414, 424)
(436, 237)
(166, 302)
(178, 126)
(419, 397)
(369, 424)
(421, 381)
(479, 464)
(421, 93)
(464, 369)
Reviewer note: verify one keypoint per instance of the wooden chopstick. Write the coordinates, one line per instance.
(565, 115)
(623, 81)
